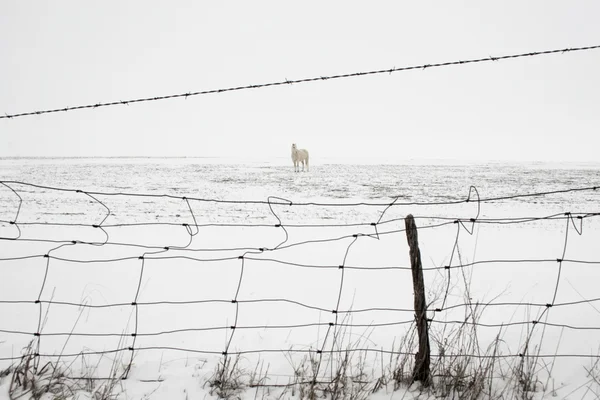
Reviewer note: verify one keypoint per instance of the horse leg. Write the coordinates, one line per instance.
(307, 165)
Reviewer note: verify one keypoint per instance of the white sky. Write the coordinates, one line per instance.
(70, 53)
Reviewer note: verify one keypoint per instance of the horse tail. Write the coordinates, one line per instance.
(306, 160)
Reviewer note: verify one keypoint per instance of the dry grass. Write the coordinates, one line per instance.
(348, 377)
(463, 370)
(28, 381)
(344, 372)
(229, 379)
(593, 373)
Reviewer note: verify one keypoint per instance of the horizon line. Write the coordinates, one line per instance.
(384, 160)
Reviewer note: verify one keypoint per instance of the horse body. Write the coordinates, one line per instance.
(299, 156)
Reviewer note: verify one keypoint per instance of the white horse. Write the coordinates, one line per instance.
(299, 156)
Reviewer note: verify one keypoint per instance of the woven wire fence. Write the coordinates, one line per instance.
(83, 286)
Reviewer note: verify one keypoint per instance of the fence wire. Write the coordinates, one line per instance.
(301, 81)
(340, 320)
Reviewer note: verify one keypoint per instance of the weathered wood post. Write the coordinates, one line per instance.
(421, 370)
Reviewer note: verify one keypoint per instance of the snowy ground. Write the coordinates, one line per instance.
(284, 294)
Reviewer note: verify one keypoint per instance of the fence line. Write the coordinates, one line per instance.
(305, 80)
(301, 304)
(334, 327)
(450, 220)
(285, 202)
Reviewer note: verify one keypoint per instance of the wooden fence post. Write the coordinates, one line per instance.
(421, 370)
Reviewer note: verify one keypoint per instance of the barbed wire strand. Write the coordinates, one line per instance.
(301, 81)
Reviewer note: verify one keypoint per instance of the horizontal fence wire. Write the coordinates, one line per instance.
(316, 266)
(284, 202)
(248, 257)
(298, 303)
(298, 351)
(302, 81)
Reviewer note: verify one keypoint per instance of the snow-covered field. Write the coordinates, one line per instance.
(179, 261)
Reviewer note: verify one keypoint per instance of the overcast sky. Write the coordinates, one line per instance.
(68, 53)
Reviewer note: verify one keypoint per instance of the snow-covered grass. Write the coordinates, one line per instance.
(287, 343)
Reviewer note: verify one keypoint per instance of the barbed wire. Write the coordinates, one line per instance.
(245, 257)
(305, 80)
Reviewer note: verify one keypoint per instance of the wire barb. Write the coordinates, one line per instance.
(305, 80)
